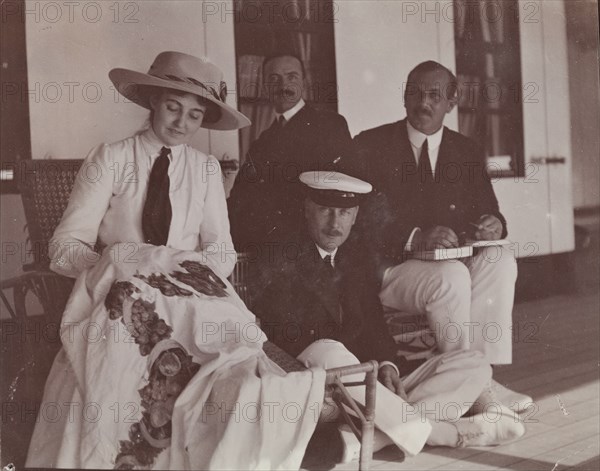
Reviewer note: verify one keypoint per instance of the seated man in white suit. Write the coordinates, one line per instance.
(431, 190)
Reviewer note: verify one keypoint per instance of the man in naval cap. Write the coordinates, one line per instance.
(318, 300)
(318, 283)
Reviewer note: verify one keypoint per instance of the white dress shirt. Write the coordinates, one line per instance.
(323, 253)
(108, 198)
(289, 114)
(417, 138)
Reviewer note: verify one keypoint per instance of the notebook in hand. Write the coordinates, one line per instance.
(444, 253)
(487, 243)
(466, 250)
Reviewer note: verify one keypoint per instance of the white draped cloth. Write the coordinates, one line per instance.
(238, 411)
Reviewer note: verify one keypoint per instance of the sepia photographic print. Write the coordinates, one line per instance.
(300, 234)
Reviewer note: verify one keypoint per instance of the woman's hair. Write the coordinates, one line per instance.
(212, 114)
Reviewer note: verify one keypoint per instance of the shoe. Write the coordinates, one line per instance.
(515, 401)
(489, 402)
(351, 444)
(488, 430)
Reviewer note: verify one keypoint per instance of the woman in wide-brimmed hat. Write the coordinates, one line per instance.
(157, 341)
(154, 187)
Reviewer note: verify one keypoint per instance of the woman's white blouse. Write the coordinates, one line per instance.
(108, 197)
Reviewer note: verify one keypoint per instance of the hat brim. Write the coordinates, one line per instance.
(334, 198)
(129, 83)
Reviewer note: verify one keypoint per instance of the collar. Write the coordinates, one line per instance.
(417, 138)
(153, 145)
(289, 114)
(323, 253)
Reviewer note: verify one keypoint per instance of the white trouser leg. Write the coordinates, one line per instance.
(493, 276)
(441, 290)
(401, 422)
(446, 386)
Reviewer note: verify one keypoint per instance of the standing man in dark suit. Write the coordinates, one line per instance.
(433, 190)
(265, 200)
(318, 300)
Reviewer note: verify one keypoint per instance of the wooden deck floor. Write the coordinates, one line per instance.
(556, 361)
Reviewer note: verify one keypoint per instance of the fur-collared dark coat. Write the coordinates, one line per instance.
(300, 299)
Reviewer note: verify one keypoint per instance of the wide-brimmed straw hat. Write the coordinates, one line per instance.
(185, 73)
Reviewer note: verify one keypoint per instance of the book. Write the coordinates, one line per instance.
(487, 243)
(444, 253)
(466, 250)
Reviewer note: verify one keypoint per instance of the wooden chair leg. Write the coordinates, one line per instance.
(366, 414)
(20, 286)
(7, 305)
(368, 426)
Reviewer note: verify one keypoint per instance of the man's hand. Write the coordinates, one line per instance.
(489, 228)
(390, 379)
(435, 238)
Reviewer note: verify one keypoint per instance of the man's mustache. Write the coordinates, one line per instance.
(287, 93)
(426, 111)
(334, 233)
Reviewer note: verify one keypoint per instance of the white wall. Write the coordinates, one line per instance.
(72, 47)
(377, 43)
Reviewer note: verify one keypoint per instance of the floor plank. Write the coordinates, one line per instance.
(556, 360)
(563, 428)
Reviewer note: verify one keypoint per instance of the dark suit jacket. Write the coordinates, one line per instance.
(300, 299)
(266, 198)
(462, 191)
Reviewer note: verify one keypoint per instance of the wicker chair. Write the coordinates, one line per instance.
(45, 187)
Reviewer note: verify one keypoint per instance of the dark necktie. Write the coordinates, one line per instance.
(328, 259)
(279, 123)
(424, 170)
(156, 217)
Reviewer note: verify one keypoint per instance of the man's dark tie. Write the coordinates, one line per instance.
(424, 169)
(328, 259)
(278, 123)
(156, 217)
